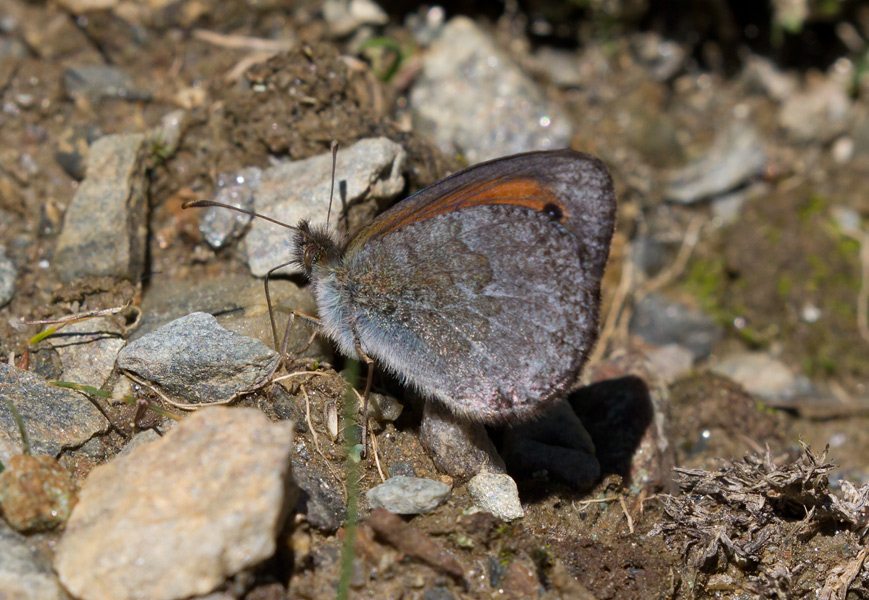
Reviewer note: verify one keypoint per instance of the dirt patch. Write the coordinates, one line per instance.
(769, 526)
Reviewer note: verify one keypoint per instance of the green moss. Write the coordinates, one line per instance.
(847, 311)
(819, 274)
(820, 365)
(827, 8)
(827, 364)
(705, 281)
(506, 555)
(753, 338)
(784, 286)
(772, 233)
(815, 205)
(849, 246)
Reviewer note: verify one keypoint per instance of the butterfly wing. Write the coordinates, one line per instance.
(483, 290)
(577, 187)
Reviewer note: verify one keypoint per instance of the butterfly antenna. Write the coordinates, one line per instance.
(334, 148)
(207, 203)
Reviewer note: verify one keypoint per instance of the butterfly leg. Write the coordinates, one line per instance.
(271, 310)
(286, 338)
(369, 378)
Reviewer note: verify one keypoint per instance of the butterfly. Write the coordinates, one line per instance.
(482, 291)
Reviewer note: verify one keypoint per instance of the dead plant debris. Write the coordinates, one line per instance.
(778, 531)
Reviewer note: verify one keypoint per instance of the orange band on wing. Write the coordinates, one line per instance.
(516, 192)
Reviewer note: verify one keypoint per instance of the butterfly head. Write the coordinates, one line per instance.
(314, 247)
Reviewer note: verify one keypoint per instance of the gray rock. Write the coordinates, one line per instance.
(472, 99)
(88, 350)
(142, 438)
(401, 467)
(818, 112)
(290, 192)
(763, 75)
(73, 147)
(176, 517)
(8, 274)
(660, 321)
(105, 227)
(408, 495)
(78, 7)
(734, 157)
(196, 359)
(650, 254)
(345, 16)
(438, 593)
(660, 58)
(759, 373)
(383, 407)
(458, 447)
(219, 225)
(55, 418)
(237, 301)
(98, 82)
(23, 575)
(670, 362)
(36, 493)
(239, 304)
(166, 137)
(560, 66)
(321, 499)
(496, 493)
(727, 208)
(557, 443)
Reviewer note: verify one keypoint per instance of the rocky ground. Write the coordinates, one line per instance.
(734, 341)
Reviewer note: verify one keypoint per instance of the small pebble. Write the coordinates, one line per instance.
(221, 225)
(735, 157)
(408, 495)
(496, 493)
(843, 150)
(759, 373)
(383, 407)
(321, 499)
(670, 361)
(36, 493)
(458, 447)
(661, 321)
(8, 274)
(166, 137)
(98, 82)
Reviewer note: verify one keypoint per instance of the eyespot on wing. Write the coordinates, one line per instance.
(573, 188)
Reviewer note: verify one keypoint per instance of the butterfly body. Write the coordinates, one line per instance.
(481, 291)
